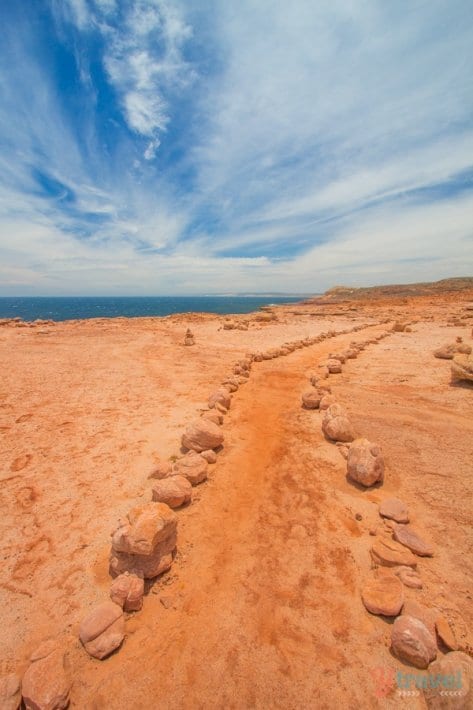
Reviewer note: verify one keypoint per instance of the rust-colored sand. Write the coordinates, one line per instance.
(262, 606)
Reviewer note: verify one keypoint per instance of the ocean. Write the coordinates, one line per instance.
(69, 308)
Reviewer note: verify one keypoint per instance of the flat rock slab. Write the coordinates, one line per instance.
(389, 553)
(409, 538)
(383, 595)
(394, 509)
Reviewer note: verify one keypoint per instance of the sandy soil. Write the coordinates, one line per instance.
(263, 599)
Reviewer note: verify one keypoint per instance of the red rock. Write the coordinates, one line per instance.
(326, 401)
(419, 611)
(213, 416)
(383, 595)
(174, 491)
(388, 553)
(336, 425)
(409, 538)
(222, 396)
(445, 633)
(161, 471)
(127, 591)
(220, 408)
(103, 630)
(10, 693)
(365, 464)
(145, 541)
(334, 366)
(45, 685)
(454, 687)
(311, 399)
(202, 435)
(193, 467)
(409, 577)
(209, 455)
(412, 642)
(394, 509)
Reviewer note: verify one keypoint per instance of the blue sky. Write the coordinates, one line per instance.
(158, 147)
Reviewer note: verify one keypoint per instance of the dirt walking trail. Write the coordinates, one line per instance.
(262, 608)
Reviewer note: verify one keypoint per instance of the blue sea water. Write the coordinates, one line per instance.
(68, 308)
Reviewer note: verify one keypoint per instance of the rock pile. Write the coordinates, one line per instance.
(189, 337)
(144, 543)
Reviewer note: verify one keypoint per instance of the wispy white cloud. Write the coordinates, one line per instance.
(320, 143)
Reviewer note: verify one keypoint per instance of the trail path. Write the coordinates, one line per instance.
(264, 597)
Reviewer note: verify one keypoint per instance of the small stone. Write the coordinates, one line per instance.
(383, 595)
(445, 633)
(409, 538)
(45, 685)
(409, 577)
(174, 491)
(388, 553)
(336, 425)
(326, 401)
(412, 642)
(127, 591)
(209, 455)
(10, 693)
(166, 602)
(213, 416)
(193, 466)
(358, 516)
(103, 630)
(365, 464)
(202, 435)
(311, 399)
(454, 687)
(394, 509)
(334, 366)
(161, 471)
(222, 396)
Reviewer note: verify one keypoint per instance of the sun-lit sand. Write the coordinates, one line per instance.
(262, 605)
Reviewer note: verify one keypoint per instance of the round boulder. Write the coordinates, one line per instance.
(174, 491)
(203, 434)
(412, 642)
(365, 465)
